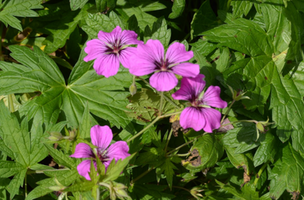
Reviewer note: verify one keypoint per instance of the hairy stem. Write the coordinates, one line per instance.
(168, 139)
(161, 103)
(226, 113)
(260, 173)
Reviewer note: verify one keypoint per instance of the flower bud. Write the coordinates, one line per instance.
(195, 192)
(133, 89)
(237, 95)
(55, 136)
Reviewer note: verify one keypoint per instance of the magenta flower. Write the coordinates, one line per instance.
(101, 137)
(110, 49)
(200, 115)
(150, 58)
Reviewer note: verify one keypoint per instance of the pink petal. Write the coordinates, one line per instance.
(140, 67)
(177, 53)
(163, 81)
(192, 118)
(126, 55)
(212, 119)
(94, 49)
(84, 168)
(186, 69)
(106, 65)
(118, 150)
(154, 49)
(101, 136)
(128, 37)
(82, 150)
(110, 37)
(190, 88)
(200, 118)
(212, 97)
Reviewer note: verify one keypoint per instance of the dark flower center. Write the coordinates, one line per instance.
(163, 65)
(102, 154)
(114, 48)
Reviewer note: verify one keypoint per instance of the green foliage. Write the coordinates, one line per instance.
(18, 8)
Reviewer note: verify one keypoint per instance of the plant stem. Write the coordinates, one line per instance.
(140, 176)
(226, 113)
(153, 122)
(168, 139)
(25, 185)
(260, 173)
(185, 144)
(254, 121)
(161, 103)
(140, 132)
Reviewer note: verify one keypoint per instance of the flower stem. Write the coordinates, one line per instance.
(143, 130)
(260, 173)
(254, 121)
(161, 103)
(185, 144)
(25, 185)
(140, 176)
(226, 113)
(153, 122)
(168, 139)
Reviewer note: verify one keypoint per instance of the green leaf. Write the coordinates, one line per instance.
(239, 160)
(14, 137)
(248, 191)
(16, 183)
(100, 22)
(138, 9)
(160, 32)
(286, 104)
(287, 173)
(85, 126)
(106, 96)
(168, 169)
(206, 151)
(150, 192)
(204, 14)
(267, 150)
(81, 187)
(9, 168)
(61, 158)
(65, 177)
(60, 32)
(76, 4)
(18, 8)
(242, 35)
(241, 7)
(145, 105)
(177, 8)
(115, 169)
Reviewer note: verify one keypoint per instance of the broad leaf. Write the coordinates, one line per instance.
(177, 8)
(18, 8)
(287, 173)
(75, 4)
(106, 96)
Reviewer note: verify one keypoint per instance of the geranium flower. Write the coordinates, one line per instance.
(150, 58)
(110, 49)
(200, 115)
(101, 137)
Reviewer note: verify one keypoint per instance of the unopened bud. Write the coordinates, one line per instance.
(237, 95)
(261, 127)
(133, 89)
(196, 192)
(55, 136)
